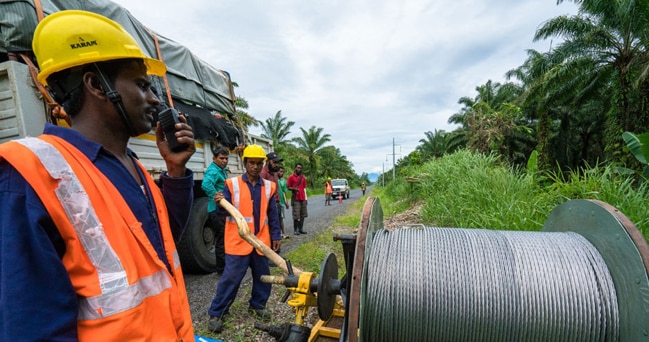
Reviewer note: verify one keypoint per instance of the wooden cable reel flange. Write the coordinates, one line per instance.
(371, 222)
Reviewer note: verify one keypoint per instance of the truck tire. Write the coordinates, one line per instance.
(196, 245)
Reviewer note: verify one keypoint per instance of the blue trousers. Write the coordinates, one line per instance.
(236, 267)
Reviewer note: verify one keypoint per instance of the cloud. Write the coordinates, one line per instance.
(364, 71)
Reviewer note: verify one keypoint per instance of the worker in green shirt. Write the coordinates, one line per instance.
(213, 182)
(283, 203)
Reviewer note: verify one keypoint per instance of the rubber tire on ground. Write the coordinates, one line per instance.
(195, 251)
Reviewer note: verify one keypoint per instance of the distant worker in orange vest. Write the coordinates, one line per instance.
(329, 189)
(254, 197)
(87, 237)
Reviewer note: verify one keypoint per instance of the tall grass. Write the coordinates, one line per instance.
(468, 190)
(476, 191)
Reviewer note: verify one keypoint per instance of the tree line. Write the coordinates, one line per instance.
(320, 159)
(570, 104)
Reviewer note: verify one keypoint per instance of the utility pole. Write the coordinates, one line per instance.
(394, 164)
(383, 175)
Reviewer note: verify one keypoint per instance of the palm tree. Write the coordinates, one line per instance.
(534, 98)
(490, 128)
(276, 129)
(562, 100)
(493, 95)
(458, 138)
(243, 119)
(434, 146)
(333, 164)
(492, 122)
(607, 43)
(310, 142)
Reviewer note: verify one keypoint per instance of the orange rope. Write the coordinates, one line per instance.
(57, 111)
(164, 78)
(39, 10)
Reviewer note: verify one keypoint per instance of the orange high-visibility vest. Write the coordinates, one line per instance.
(125, 291)
(242, 200)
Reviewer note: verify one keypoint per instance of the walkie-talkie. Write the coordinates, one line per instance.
(168, 119)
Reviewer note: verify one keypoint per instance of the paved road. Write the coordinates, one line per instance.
(201, 288)
(320, 217)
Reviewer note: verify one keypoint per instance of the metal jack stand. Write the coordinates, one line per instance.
(306, 291)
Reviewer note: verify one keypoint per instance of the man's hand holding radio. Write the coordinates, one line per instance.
(176, 160)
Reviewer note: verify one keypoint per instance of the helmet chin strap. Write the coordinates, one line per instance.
(115, 97)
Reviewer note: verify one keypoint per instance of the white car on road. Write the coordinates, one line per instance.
(340, 187)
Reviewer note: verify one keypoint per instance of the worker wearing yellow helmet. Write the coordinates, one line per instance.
(254, 197)
(88, 247)
(71, 44)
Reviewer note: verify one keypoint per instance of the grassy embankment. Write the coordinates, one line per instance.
(473, 191)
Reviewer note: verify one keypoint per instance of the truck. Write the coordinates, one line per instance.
(204, 94)
(340, 188)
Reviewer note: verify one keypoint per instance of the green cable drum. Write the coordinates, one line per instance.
(457, 284)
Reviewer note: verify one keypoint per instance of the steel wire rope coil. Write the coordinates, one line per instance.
(477, 284)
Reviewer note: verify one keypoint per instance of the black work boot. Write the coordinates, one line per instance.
(261, 314)
(215, 324)
(296, 227)
(302, 227)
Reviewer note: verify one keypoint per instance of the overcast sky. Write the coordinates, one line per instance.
(367, 72)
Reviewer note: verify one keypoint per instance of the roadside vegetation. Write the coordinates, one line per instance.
(570, 105)
(471, 190)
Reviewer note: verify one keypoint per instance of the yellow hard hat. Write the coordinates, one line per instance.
(66, 39)
(328, 178)
(254, 151)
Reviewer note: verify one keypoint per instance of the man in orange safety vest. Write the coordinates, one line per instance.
(254, 197)
(87, 248)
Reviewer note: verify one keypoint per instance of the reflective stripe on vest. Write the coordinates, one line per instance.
(236, 199)
(117, 295)
(242, 200)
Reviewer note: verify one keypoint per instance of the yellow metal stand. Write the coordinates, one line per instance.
(302, 298)
(321, 329)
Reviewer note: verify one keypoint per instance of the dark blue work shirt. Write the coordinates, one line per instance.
(255, 192)
(37, 301)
